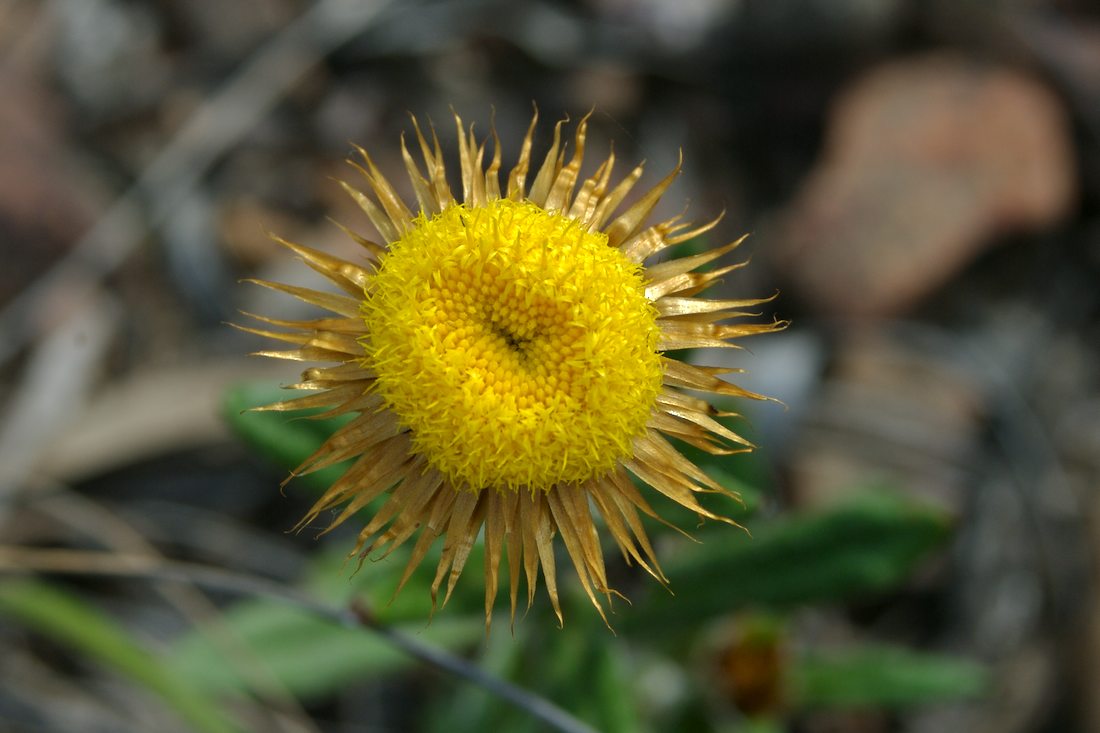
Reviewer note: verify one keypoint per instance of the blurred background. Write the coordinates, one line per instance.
(921, 182)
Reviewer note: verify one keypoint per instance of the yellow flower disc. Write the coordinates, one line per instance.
(518, 348)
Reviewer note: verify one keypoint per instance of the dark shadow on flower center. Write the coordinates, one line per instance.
(515, 343)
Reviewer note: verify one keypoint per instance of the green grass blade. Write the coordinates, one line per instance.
(68, 620)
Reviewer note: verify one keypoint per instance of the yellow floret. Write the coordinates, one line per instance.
(518, 348)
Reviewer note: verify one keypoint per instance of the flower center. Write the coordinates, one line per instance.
(518, 348)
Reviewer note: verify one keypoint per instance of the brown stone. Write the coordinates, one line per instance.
(925, 162)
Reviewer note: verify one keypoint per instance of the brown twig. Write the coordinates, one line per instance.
(171, 177)
(537, 707)
(15, 559)
(276, 706)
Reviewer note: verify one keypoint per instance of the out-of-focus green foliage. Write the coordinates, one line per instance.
(67, 619)
(883, 678)
(865, 545)
(581, 667)
(312, 657)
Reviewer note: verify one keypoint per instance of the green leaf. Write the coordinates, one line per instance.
(582, 668)
(313, 657)
(614, 690)
(70, 621)
(285, 438)
(310, 656)
(884, 677)
(863, 546)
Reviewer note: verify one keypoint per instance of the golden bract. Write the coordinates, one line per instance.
(504, 361)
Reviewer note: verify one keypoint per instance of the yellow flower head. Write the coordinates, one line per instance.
(504, 358)
(517, 347)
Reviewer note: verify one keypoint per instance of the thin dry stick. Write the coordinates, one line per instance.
(55, 381)
(15, 559)
(169, 179)
(538, 707)
(276, 704)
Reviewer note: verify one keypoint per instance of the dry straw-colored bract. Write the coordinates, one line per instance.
(504, 358)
